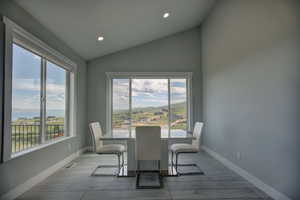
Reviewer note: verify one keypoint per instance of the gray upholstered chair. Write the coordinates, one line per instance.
(148, 148)
(99, 148)
(181, 148)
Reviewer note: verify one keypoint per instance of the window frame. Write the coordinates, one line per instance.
(147, 75)
(15, 34)
(2, 86)
(67, 104)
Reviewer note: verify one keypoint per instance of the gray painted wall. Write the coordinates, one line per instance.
(251, 85)
(18, 170)
(177, 53)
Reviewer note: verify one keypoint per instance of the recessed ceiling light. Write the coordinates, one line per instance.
(166, 15)
(100, 38)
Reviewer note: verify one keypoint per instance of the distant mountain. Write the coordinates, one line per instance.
(154, 109)
(31, 113)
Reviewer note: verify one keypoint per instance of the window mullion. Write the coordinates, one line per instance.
(130, 107)
(109, 115)
(67, 106)
(7, 136)
(169, 108)
(188, 105)
(43, 101)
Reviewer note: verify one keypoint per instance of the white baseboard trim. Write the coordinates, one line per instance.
(249, 177)
(20, 189)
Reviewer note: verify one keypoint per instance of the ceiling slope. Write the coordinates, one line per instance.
(123, 23)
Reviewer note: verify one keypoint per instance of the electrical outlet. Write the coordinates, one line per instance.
(238, 155)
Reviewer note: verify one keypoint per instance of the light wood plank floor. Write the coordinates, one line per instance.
(75, 183)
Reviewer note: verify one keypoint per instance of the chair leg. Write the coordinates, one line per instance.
(176, 162)
(139, 172)
(138, 167)
(199, 172)
(116, 173)
(119, 163)
(172, 164)
(137, 180)
(122, 165)
(158, 166)
(160, 176)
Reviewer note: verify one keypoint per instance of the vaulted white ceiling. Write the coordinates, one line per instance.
(123, 23)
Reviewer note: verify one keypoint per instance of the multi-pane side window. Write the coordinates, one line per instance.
(39, 100)
(39, 97)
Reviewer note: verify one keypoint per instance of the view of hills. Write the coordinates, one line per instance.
(152, 116)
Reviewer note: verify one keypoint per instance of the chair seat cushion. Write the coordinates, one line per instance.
(111, 148)
(183, 148)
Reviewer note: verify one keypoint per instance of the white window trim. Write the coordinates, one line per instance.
(28, 40)
(147, 75)
(41, 146)
(16, 34)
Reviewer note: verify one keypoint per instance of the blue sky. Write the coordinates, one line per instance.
(147, 92)
(27, 80)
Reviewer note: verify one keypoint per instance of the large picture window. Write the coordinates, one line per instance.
(39, 93)
(149, 101)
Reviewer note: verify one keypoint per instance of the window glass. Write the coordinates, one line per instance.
(26, 94)
(150, 103)
(55, 101)
(178, 106)
(120, 107)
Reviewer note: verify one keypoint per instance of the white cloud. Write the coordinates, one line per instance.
(35, 85)
(36, 57)
(26, 101)
(146, 91)
(178, 90)
(150, 85)
(21, 100)
(27, 84)
(56, 101)
(33, 102)
(156, 86)
(55, 88)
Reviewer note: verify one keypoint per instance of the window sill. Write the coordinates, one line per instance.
(41, 146)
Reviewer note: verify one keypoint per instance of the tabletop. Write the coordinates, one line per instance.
(164, 135)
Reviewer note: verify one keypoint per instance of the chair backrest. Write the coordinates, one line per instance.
(148, 143)
(197, 133)
(96, 133)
